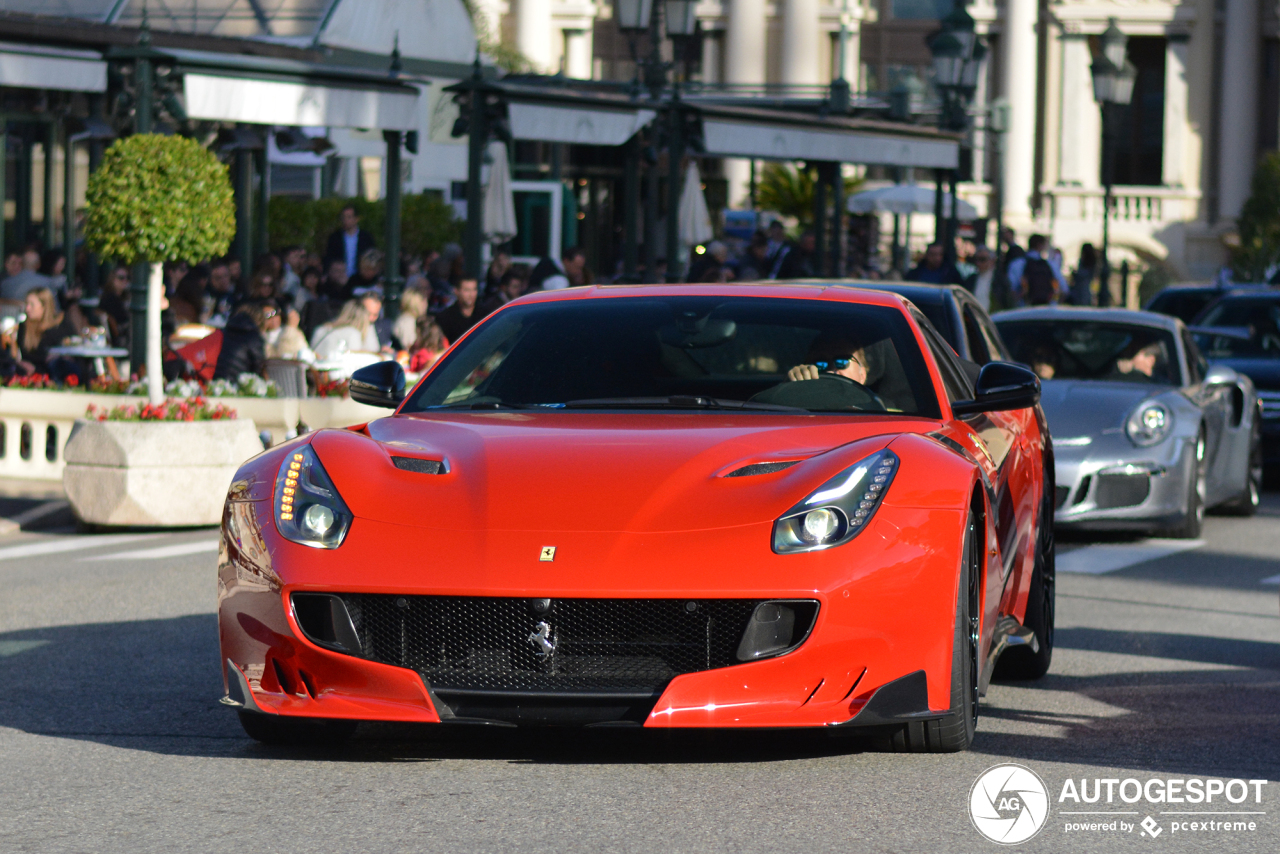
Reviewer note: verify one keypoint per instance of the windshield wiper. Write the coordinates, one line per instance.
(678, 401)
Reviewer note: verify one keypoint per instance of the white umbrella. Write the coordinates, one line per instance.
(499, 203)
(695, 220)
(907, 199)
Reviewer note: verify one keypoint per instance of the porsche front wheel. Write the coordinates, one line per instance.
(954, 732)
(279, 730)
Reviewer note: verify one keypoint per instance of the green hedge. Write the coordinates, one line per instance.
(426, 221)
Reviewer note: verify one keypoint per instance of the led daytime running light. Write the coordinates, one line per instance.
(848, 501)
(309, 510)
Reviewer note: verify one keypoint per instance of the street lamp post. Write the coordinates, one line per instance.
(1113, 78)
(958, 57)
(634, 18)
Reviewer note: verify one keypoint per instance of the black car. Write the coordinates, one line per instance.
(1185, 302)
(1249, 342)
(955, 313)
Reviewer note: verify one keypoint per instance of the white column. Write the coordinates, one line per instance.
(577, 54)
(744, 63)
(1019, 87)
(712, 55)
(533, 34)
(1080, 147)
(1175, 112)
(1237, 124)
(801, 47)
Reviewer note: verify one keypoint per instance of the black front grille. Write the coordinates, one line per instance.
(492, 644)
(1122, 490)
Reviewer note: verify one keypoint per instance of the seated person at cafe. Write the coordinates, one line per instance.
(44, 327)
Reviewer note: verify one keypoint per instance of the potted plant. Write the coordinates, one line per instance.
(168, 463)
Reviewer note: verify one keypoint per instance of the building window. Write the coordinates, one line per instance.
(1139, 127)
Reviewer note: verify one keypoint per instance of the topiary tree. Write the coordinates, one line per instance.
(155, 199)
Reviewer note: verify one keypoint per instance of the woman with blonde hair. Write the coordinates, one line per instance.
(44, 327)
(413, 305)
(351, 330)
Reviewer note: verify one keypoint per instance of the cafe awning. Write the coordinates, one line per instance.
(783, 141)
(49, 68)
(283, 102)
(580, 125)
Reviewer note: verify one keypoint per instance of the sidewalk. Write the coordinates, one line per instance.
(32, 504)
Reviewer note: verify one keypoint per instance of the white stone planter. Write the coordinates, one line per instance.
(35, 425)
(154, 473)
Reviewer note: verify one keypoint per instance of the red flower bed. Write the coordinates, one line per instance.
(187, 409)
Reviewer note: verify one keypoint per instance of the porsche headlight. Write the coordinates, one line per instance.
(836, 511)
(309, 509)
(1149, 423)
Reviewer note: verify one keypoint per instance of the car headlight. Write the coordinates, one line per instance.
(1149, 423)
(309, 509)
(839, 509)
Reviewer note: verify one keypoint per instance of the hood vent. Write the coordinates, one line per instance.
(419, 465)
(761, 468)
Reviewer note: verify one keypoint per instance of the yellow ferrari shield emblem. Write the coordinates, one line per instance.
(548, 553)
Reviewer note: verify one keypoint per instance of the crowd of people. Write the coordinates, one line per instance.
(1030, 276)
(297, 304)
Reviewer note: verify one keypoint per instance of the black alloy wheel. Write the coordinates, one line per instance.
(1193, 522)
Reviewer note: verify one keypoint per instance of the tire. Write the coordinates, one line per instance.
(954, 733)
(1193, 523)
(296, 732)
(1246, 503)
(1019, 663)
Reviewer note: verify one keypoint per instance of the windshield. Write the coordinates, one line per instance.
(687, 352)
(1255, 322)
(1088, 350)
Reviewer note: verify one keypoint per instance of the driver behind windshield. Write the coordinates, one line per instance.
(1138, 362)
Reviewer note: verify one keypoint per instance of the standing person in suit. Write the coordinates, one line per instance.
(349, 241)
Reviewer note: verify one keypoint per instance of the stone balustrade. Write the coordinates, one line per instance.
(35, 425)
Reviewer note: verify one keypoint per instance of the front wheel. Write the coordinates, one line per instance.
(292, 731)
(954, 732)
(1193, 523)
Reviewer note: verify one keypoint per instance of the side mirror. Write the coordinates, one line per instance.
(1221, 375)
(378, 385)
(1001, 386)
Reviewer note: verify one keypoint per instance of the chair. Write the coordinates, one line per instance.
(289, 375)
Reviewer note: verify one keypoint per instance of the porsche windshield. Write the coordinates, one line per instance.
(686, 352)
(1089, 350)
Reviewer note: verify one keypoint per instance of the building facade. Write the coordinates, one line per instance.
(1205, 103)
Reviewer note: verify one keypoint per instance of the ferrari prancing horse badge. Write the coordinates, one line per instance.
(548, 553)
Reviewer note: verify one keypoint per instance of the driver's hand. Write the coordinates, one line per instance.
(803, 372)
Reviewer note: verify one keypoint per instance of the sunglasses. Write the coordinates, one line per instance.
(837, 364)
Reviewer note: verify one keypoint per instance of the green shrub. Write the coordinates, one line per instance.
(426, 221)
(1259, 223)
(159, 198)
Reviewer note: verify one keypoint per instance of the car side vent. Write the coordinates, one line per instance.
(761, 468)
(419, 466)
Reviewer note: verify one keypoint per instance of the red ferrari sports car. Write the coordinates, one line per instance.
(693, 506)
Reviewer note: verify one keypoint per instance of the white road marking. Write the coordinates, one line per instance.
(162, 552)
(1275, 579)
(71, 544)
(13, 647)
(1107, 557)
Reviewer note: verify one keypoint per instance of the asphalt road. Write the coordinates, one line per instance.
(112, 739)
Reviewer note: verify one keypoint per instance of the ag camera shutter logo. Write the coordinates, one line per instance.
(1009, 804)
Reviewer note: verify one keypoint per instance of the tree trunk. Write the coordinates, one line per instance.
(155, 368)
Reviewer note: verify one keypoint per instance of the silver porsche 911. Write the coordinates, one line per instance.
(1146, 435)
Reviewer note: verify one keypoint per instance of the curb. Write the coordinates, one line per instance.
(13, 524)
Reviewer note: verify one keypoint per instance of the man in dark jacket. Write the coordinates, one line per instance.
(455, 320)
(349, 242)
(552, 274)
(934, 270)
(243, 348)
